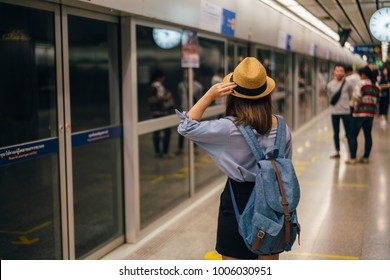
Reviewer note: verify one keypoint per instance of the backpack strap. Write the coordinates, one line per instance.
(235, 207)
(287, 216)
(280, 141)
(253, 144)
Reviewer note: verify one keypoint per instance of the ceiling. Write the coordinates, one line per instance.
(353, 14)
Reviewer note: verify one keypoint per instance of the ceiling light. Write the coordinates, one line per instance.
(299, 12)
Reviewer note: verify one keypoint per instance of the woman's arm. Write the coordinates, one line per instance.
(216, 91)
(384, 86)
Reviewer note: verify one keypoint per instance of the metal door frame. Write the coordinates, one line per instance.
(65, 12)
(60, 14)
(55, 9)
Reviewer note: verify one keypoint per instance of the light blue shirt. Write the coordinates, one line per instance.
(223, 141)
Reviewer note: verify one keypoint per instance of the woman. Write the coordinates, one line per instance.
(249, 102)
(384, 84)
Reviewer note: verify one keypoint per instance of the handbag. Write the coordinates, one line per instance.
(336, 97)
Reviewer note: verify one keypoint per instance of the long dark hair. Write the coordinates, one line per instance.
(387, 74)
(256, 113)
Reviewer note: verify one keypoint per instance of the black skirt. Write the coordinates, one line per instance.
(229, 241)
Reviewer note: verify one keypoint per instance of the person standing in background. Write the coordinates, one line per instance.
(351, 75)
(340, 107)
(384, 85)
(353, 78)
(365, 99)
(160, 103)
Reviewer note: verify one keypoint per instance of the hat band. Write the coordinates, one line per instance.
(249, 91)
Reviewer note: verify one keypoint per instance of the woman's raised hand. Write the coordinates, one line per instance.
(221, 90)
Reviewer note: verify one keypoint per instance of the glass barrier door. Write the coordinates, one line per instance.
(30, 215)
(94, 130)
(60, 133)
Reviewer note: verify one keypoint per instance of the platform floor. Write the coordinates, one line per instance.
(344, 210)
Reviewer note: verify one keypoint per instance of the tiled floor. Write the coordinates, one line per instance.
(344, 210)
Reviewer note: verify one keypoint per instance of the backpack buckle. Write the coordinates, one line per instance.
(260, 234)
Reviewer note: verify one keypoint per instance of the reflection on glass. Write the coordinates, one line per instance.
(322, 81)
(97, 167)
(236, 53)
(242, 52)
(29, 190)
(28, 75)
(29, 210)
(305, 89)
(277, 67)
(231, 62)
(164, 181)
(157, 51)
(93, 56)
(206, 171)
(97, 180)
(212, 60)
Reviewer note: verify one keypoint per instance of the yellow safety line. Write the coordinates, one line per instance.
(157, 179)
(212, 255)
(301, 162)
(322, 255)
(206, 159)
(28, 231)
(177, 176)
(23, 240)
(299, 168)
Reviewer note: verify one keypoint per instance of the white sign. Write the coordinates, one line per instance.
(210, 16)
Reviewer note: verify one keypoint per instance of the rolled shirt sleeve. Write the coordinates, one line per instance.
(210, 135)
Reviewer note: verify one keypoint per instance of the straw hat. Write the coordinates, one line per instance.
(251, 79)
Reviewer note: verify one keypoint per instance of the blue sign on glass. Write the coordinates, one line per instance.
(228, 22)
(94, 136)
(28, 151)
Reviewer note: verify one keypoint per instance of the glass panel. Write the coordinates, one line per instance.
(164, 181)
(29, 210)
(242, 52)
(322, 81)
(97, 194)
(305, 89)
(212, 65)
(158, 54)
(29, 192)
(212, 60)
(97, 167)
(230, 58)
(206, 171)
(93, 63)
(236, 53)
(28, 75)
(277, 67)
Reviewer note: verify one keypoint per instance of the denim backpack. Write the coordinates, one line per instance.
(269, 222)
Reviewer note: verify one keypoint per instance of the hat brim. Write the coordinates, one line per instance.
(268, 90)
